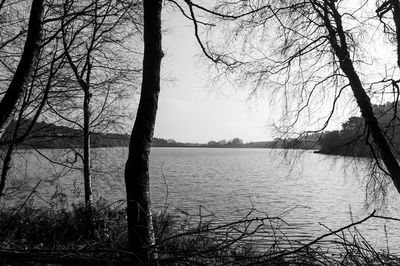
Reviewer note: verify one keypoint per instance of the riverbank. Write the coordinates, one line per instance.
(42, 236)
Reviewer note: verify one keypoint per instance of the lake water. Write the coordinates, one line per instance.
(309, 191)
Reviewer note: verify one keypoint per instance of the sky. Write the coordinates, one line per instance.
(191, 109)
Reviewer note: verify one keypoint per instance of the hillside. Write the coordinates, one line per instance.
(50, 136)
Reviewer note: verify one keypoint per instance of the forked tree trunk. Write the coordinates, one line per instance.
(140, 226)
(24, 69)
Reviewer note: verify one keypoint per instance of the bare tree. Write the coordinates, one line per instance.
(92, 37)
(307, 54)
(90, 94)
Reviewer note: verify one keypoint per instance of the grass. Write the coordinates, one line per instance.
(64, 236)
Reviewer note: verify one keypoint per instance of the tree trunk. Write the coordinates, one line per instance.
(10, 150)
(140, 226)
(396, 19)
(24, 69)
(340, 48)
(365, 106)
(6, 168)
(86, 149)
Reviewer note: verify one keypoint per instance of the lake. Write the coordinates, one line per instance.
(309, 191)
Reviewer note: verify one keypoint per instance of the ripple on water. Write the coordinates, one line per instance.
(316, 192)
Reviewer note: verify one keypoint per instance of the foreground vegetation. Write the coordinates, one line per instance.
(99, 235)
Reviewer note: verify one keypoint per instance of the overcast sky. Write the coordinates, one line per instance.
(191, 109)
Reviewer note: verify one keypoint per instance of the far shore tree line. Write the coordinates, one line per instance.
(351, 139)
(235, 142)
(278, 143)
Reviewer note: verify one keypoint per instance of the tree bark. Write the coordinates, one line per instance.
(86, 149)
(140, 226)
(24, 69)
(6, 168)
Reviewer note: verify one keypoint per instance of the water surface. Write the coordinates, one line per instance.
(309, 191)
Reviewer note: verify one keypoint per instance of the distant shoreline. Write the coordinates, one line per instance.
(50, 136)
(238, 147)
(194, 146)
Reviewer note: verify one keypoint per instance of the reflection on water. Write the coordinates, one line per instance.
(314, 192)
